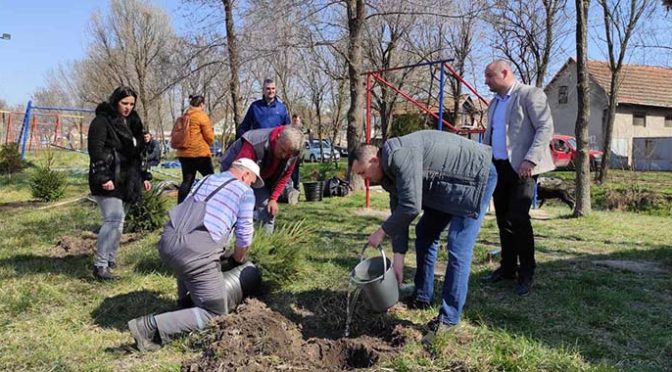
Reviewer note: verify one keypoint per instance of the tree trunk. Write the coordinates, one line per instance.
(609, 126)
(583, 205)
(234, 62)
(317, 102)
(159, 116)
(356, 18)
(542, 65)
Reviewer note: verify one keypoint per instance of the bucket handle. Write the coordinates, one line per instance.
(361, 258)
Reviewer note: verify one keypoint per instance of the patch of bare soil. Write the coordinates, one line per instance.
(4, 207)
(85, 243)
(641, 267)
(371, 212)
(294, 337)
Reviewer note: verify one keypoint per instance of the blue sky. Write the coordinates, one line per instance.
(44, 34)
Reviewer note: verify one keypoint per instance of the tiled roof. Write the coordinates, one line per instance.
(640, 85)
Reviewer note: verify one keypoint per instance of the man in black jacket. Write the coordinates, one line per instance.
(152, 150)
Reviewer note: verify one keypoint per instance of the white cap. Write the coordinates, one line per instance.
(250, 165)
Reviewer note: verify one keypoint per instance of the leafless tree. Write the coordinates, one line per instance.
(316, 83)
(356, 13)
(460, 41)
(621, 18)
(386, 38)
(528, 32)
(131, 46)
(234, 62)
(582, 207)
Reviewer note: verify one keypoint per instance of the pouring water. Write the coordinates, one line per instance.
(374, 277)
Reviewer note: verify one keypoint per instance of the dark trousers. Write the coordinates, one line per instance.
(513, 198)
(295, 175)
(190, 166)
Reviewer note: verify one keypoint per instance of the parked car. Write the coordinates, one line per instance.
(563, 149)
(311, 151)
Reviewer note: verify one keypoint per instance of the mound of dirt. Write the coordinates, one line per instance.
(85, 243)
(256, 338)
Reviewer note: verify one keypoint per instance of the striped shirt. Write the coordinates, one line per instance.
(232, 205)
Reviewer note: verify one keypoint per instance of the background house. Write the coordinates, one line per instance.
(472, 113)
(644, 111)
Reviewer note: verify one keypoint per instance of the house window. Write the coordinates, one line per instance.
(668, 121)
(639, 119)
(562, 95)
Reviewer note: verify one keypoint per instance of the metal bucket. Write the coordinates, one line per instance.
(378, 282)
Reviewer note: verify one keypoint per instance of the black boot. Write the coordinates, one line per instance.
(143, 330)
(103, 273)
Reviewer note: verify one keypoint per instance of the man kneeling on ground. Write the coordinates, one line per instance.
(192, 244)
(451, 179)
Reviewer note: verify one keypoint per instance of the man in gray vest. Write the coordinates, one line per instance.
(520, 130)
(192, 244)
(449, 178)
(276, 151)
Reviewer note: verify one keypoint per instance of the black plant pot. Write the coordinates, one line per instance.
(312, 190)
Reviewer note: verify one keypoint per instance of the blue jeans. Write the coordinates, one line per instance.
(113, 211)
(462, 235)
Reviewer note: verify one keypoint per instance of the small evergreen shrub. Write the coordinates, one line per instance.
(149, 214)
(47, 184)
(281, 256)
(10, 159)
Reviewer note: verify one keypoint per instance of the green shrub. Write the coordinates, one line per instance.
(46, 184)
(281, 256)
(10, 159)
(148, 214)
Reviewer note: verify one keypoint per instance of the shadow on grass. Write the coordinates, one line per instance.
(322, 313)
(151, 265)
(115, 312)
(585, 305)
(76, 266)
(49, 226)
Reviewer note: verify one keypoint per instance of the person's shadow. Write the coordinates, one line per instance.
(76, 266)
(115, 312)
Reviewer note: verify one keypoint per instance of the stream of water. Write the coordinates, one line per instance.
(353, 294)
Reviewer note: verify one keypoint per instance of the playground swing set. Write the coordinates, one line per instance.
(443, 124)
(42, 126)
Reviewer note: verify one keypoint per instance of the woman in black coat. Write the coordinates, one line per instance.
(116, 174)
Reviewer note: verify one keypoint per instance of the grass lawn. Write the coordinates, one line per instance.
(581, 315)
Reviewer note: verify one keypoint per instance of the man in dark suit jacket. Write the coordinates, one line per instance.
(520, 128)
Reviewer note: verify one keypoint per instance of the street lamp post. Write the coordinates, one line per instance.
(6, 36)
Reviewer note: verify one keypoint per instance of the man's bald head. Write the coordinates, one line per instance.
(499, 77)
